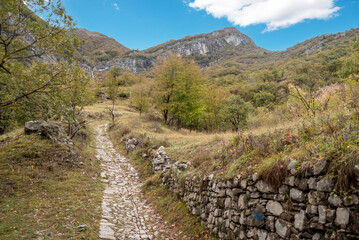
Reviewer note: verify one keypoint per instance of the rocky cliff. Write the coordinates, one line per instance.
(227, 47)
(198, 46)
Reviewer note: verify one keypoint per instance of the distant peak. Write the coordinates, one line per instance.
(228, 29)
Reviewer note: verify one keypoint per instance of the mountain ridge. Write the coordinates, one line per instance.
(197, 47)
(221, 46)
(97, 47)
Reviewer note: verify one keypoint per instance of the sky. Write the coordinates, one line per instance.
(272, 24)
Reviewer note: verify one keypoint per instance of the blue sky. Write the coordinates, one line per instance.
(272, 24)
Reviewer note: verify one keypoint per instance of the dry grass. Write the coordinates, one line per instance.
(46, 194)
(263, 149)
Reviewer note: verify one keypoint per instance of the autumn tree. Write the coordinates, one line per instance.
(179, 95)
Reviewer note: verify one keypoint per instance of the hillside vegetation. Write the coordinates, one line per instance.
(97, 48)
(306, 110)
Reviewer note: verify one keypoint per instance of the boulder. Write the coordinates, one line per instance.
(316, 198)
(292, 166)
(262, 234)
(33, 126)
(51, 130)
(322, 209)
(131, 144)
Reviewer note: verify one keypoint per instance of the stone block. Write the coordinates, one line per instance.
(342, 217)
(274, 208)
(325, 184)
(296, 195)
(282, 228)
(300, 221)
(264, 187)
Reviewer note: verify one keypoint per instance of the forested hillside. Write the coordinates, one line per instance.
(97, 48)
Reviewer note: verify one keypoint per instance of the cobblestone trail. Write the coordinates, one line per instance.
(125, 214)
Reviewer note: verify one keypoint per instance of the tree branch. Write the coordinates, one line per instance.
(2, 105)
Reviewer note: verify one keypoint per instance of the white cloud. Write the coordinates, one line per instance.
(116, 6)
(274, 13)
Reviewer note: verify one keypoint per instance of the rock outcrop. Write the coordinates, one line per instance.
(50, 130)
(132, 63)
(199, 45)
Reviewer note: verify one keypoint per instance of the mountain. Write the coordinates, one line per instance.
(97, 48)
(320, 43)
(222, 49)
(206, 49)
(337, 44)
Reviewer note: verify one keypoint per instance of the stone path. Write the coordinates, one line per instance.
(125, 213)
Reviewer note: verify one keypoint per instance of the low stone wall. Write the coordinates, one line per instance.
(302, 208)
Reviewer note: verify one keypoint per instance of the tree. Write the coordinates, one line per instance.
(72, 98)
(263, 98)
(33, 57)
(112, 89)
(140, 97)
(180, 89)
(236, 111)
(266, 75)
(214, 102)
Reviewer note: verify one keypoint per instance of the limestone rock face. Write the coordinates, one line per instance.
(133, 63)
(199, 45)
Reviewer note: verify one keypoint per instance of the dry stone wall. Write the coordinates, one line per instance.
(301, 208)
